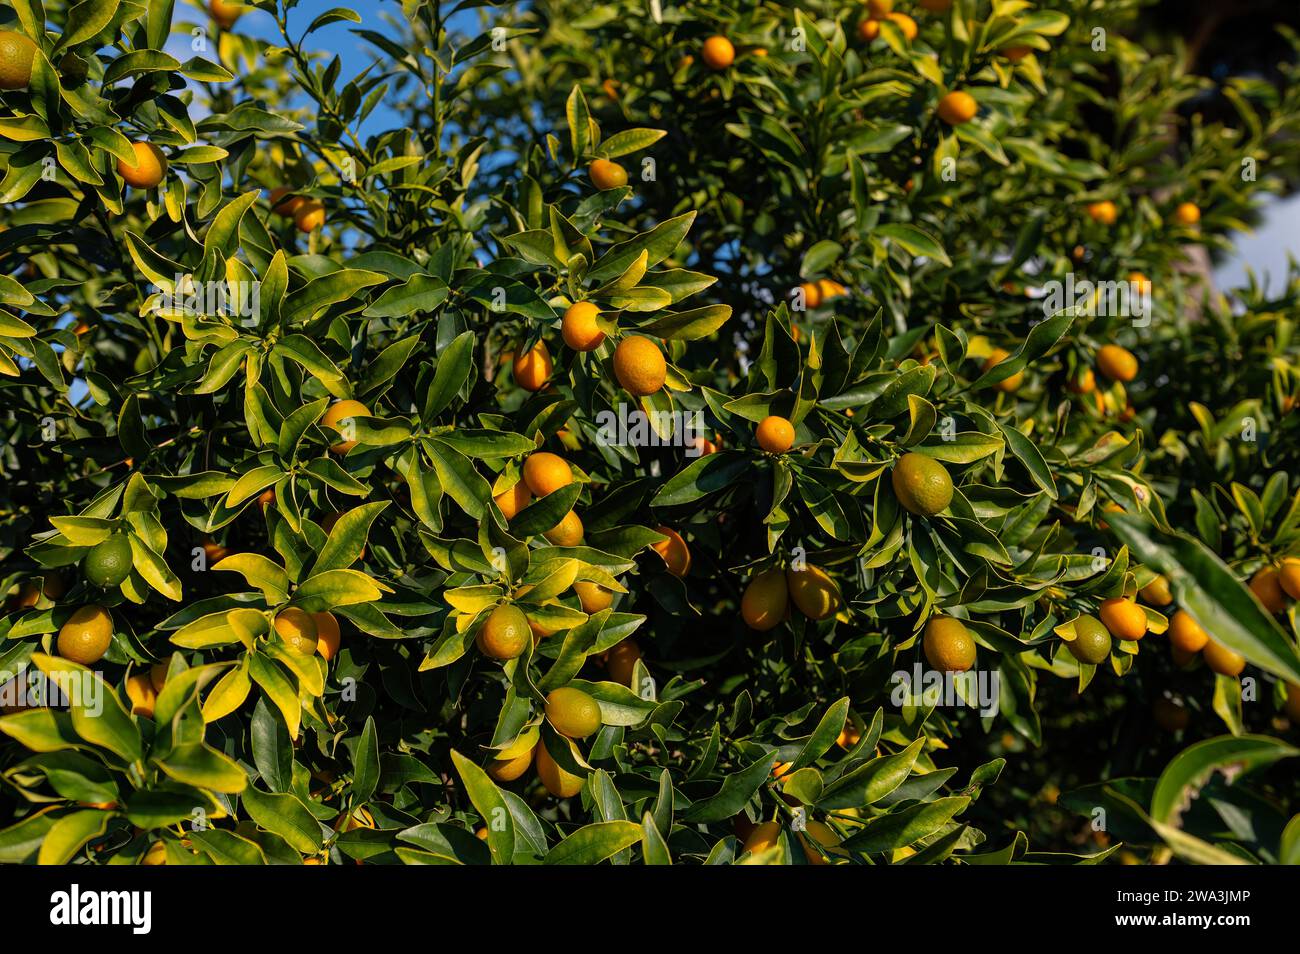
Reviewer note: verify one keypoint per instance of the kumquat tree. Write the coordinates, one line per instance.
(643, 432)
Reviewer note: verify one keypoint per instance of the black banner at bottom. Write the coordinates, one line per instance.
(186, 903)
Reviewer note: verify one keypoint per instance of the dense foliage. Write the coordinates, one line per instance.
(330, 530)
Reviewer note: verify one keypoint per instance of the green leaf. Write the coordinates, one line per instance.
(286, 816)
(76, 160)
(333, 15)
(158, 22)
(592, 844)
(77, 777)
(982, 138)
(84, 22)
(228, 694)
(220, 629)
(26, 129)
(459, 479)
(304, 351)
(279, 689)
(490, 803)
(703, 476)
(535, 246)
(389, 362)
(900, 829)
(1204, 586)
(21, 841)
(503, 295)
(419, 293)
(333, 588)
(737, 789)
(689, 325)
(166, 805)
(199, 154)
(543, 514)
(108, 724)
(84, 531)
(916, 241)
(260, 572)
(964, 448)
(139, 61)
(327, 290)
(579, 122)
(872, 781)
(658, 244)
(227, 848)
(824, 736)
(67, 836)
(653, 847)
(157, 268)
(486, 445)
(1027, 453)
(1041, 338)
(454, 366)
(820, 257)
(200, 765)
(223, 233)
(1189, 771)
(365, 775)
(347, 538)
(628, 141)
(252, 483)
(296, 424)
(41, 730)
(894, 400)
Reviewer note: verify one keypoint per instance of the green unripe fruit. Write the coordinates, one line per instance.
(922, 484)
(1091, 643)
(108, 563)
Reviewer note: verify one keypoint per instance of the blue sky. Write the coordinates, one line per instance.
(1266, 249)
(334, 38)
